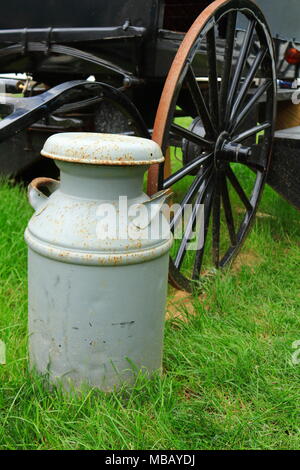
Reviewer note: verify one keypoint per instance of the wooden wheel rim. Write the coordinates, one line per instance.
(160, 133)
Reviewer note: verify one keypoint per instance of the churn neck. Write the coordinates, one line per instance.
(101, 182)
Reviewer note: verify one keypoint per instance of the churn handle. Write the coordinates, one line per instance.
(40, 189)
(157, 200)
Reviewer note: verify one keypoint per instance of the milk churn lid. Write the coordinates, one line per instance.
(102, 149)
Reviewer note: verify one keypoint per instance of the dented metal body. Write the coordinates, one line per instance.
(96, 301)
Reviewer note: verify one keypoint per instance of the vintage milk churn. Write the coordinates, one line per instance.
(98, 263)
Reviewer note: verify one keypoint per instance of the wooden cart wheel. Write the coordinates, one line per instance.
(222, 147)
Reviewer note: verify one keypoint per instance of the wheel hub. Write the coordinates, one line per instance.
(219, 149)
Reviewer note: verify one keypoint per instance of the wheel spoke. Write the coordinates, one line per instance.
(186, 134)
(199, 102)
(238, 188)
(213, 77)
(216, 222)
(240, 65)
(178, 175)
(228, 211)
(250, 132)
(187, 234)
(207, 210)
(189, 195)
(249, 106)
(228, 56)
(183, 245)
(247, 83)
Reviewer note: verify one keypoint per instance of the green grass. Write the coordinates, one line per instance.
(228, 380)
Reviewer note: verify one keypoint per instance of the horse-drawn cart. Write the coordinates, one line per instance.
(201, 78)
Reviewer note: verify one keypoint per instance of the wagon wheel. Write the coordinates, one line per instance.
(226, 149)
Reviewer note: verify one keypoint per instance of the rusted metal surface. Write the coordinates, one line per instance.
(40, 189)
(100, 149)
(96, 296)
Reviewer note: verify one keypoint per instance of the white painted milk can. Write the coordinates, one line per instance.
(97, 263)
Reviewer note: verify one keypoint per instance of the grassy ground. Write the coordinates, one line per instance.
(228, 380)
